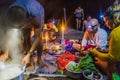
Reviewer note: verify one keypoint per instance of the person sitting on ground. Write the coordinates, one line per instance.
(50, 31)
(94, 37)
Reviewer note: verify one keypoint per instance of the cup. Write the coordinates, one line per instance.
(88, 74)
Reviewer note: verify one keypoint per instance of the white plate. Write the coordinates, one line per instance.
(73, 71)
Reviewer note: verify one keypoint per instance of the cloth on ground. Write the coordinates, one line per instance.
(50, 64)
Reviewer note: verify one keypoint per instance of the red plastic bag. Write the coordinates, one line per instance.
(65, 58)
(89, 46)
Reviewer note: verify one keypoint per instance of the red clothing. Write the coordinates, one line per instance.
(64, 59)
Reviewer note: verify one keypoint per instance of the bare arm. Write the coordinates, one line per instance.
(4, 56)
(82, 14)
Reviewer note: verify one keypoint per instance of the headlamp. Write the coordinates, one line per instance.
(90, 27)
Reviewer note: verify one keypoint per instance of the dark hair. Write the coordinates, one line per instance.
(49, 21)
(108, 15)
(113, 13)
(16, 15)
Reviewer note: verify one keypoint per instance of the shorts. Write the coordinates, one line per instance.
(79, 18)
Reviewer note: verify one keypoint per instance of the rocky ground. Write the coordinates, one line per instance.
(71, 33)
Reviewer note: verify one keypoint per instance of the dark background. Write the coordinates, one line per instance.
(54, 8)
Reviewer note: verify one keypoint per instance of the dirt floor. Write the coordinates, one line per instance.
(73, 34)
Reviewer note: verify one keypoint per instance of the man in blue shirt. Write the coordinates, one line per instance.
(24, 14)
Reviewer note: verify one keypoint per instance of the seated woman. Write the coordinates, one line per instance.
(50, 31)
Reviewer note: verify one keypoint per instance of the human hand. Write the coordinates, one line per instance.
(4, 56)
(85, 52)
(100, 62)
(77, 46)
(26, 59)
(31, 68)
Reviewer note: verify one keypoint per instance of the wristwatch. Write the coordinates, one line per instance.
(31, 53)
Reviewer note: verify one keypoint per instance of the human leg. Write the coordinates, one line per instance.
(39, 48)
(77, 25)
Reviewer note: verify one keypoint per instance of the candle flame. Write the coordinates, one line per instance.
(46, 37)
(62, 28)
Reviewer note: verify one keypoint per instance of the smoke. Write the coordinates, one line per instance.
(13, 44)
(10, 38)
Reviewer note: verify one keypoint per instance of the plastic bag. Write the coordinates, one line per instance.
(115, 76)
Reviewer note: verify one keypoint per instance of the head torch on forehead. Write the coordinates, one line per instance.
(91, 26)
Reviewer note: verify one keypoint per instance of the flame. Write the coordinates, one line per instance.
(63, 26)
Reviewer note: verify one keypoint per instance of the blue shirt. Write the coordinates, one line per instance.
(32, 7)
